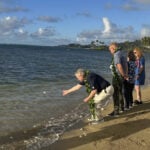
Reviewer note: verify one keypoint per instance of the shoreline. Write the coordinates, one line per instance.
(131, 130)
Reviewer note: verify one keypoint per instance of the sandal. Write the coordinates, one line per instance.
(138, 102)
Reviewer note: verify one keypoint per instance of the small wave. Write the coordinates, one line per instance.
(54, 128)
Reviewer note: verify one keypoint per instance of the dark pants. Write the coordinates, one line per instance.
(118, 94)
(128, 93)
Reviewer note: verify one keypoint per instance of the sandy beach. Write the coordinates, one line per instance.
(131, 130)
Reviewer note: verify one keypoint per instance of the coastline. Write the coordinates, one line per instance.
(131, 130)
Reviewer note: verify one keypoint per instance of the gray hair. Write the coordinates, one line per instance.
(80, 71)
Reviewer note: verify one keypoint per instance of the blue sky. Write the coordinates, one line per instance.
(58, 22)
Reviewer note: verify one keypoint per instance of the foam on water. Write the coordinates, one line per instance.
(54, 128)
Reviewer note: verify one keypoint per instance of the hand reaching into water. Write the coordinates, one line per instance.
(74, 88)
(64, 92)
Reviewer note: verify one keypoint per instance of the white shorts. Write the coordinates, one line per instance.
(104, 94)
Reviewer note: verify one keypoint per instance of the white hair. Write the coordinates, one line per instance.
(80, 71)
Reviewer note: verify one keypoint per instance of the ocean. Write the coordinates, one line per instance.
(31, 82)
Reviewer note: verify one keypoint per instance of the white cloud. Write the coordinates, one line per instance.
(12, 29)
(145, 31)
(81, 39)
(87, 36)
(111, 32)
(21, 33)
(107, 26)
(10, 24)
(44, 33)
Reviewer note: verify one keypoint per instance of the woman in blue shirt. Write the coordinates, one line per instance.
(139, 74)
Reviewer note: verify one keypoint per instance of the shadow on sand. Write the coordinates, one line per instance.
(114, 132)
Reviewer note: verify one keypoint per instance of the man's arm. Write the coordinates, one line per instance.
(74, 88)
(121, 71)
(91, 95)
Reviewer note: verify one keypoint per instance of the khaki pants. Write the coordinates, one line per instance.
(104, 94)
(102, 99)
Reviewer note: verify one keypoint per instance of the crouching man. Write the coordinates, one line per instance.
(98, 90)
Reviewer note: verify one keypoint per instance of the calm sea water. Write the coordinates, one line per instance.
(31, 84)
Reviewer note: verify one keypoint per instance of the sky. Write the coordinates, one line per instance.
(61, 22)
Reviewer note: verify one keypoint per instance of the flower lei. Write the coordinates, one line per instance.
(116, 76)
(91, 101)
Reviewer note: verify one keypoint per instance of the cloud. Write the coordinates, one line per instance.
(12, 29)
(21, 33)
(145, 31)
(136, 5)
(111, 32)
(44, 33)
(128, 5)
(87, 36)
(9, 24)
(107, 25)
(49, 19)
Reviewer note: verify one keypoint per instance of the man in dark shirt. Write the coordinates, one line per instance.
(98, 90)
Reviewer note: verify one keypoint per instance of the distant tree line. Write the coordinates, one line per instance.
(144, 44)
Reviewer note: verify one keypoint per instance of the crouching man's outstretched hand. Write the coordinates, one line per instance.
(73, 89)
(64, 92)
